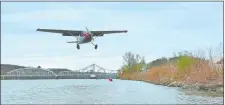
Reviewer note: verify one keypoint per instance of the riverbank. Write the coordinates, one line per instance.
(167, 75)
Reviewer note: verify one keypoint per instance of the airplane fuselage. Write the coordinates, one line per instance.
(84, 37)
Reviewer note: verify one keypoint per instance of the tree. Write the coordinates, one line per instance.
(129, 59)
(142, 63)
(39, 67)
(133, 62)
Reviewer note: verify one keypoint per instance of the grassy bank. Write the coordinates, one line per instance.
(186, 70)
(168, 76)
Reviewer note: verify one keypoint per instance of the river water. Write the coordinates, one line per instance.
(78, 91)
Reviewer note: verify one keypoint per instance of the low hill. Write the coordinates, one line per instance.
(9, 67)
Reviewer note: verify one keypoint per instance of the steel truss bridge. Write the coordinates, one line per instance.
(40, 73)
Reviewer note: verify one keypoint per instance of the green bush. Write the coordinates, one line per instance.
(184, 62)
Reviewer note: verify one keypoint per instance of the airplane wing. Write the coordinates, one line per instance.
(101, 33)
(63, 32)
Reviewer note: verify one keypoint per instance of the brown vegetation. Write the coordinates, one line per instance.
(187, 70)
(200, 74)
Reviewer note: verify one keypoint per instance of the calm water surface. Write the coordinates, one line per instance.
(95, 92)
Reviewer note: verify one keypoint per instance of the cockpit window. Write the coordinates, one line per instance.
(83, 33)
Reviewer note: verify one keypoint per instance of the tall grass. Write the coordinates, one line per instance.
(188, 68)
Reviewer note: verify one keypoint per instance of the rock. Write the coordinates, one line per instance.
(221, 89)
(172, 84)
(185, 86)
(175, 84)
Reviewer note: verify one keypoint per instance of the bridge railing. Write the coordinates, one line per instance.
(42, 73)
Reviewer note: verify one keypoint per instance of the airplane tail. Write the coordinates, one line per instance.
(73, 42)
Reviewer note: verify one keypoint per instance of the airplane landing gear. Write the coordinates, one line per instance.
(96, 46)
(78, 46)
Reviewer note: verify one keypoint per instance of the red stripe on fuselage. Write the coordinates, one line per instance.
(86, 36)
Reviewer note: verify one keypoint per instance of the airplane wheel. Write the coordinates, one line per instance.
(78, 47)
(96, 46)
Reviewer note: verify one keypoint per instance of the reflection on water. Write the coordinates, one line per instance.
(95, 92)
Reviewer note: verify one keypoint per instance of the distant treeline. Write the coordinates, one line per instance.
(135, 62)
(9, 67)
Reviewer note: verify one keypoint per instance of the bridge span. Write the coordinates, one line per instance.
(91, 71)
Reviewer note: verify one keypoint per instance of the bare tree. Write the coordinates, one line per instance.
(129, 59)
(133, 62)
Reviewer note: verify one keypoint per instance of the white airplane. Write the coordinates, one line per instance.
(82, 36)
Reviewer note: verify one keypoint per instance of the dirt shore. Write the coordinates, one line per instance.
(214, 85)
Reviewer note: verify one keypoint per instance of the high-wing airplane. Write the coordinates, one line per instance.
(82, 36)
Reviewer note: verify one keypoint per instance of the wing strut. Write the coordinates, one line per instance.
(72, 35)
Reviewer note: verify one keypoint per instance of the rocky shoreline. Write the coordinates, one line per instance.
(216, 88)
(201, 87)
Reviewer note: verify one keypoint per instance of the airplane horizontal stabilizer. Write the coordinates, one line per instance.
(73, 42)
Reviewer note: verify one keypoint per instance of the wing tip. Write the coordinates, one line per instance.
(38, 29)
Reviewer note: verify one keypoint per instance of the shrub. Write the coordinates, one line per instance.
(184, 63)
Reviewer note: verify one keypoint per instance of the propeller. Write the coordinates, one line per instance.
(90, 33)
(87, 29)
